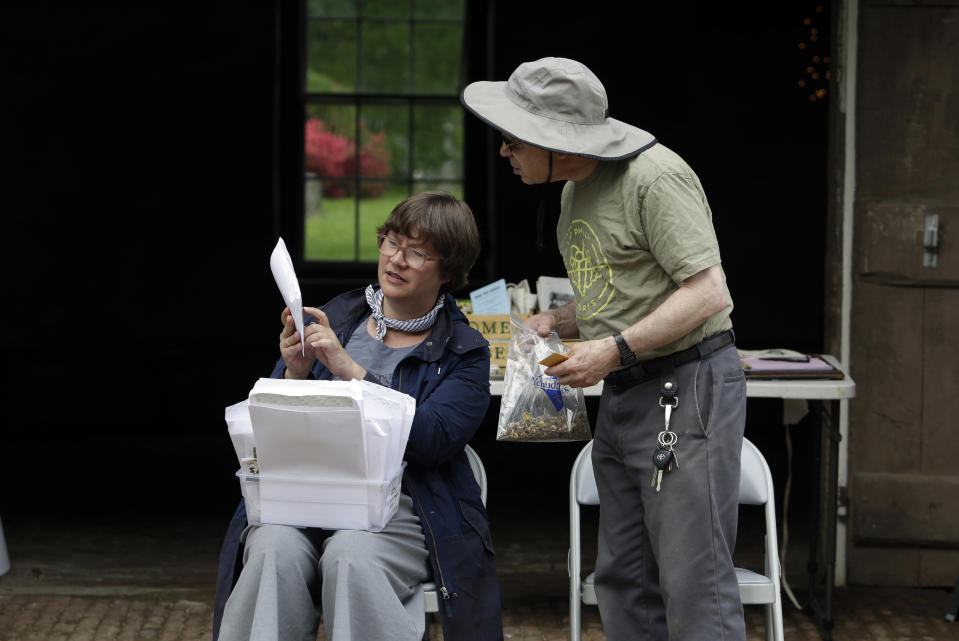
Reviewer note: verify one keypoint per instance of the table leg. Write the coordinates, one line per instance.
(828, 427)
(815, 509)
(832, 500)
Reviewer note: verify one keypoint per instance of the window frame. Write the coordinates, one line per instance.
(294, 101)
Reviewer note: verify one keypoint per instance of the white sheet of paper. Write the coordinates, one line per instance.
(393, 413)
(282, 266)
(240, 428)
(387, 416)
(383, 419)
(490, 299)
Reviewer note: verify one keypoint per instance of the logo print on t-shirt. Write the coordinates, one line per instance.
(589, 271)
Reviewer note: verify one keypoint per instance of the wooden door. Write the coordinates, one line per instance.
(904, 423)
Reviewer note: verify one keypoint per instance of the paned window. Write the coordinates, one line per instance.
(382, 116)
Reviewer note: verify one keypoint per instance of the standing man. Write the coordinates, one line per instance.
(652, 309)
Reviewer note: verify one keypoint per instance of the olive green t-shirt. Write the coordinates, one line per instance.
(631, 232)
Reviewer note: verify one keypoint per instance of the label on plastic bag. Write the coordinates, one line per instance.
(550, 385)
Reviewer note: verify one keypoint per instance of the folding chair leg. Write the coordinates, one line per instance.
(575, 620)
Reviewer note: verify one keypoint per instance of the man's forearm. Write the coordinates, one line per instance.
(697, 299)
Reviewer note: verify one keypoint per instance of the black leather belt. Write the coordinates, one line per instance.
(645, 370)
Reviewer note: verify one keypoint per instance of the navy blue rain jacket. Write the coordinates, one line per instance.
(448, 375)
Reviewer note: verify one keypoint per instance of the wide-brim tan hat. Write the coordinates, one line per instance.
(557, 104)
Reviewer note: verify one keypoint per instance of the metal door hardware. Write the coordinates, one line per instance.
(930, 241)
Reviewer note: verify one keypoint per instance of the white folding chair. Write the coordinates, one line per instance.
(429, 589)
(755, 488)
(4, 557)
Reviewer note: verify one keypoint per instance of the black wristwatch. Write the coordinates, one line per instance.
(626, 355)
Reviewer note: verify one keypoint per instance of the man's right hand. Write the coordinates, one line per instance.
(561, 320)
(543, 323)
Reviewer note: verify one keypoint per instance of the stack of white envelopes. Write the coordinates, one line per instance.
(325, 454)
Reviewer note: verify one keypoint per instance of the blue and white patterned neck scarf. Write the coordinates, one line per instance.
(374, 298)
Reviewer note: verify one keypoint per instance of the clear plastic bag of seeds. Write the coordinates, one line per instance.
(535, 407)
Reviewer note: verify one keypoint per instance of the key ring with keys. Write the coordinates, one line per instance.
(667, 439)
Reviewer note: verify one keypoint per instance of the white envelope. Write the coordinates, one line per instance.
(323, 399)
(308, 429)
(300, 443)
(282, 266)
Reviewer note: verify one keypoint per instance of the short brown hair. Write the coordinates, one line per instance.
(444, 221)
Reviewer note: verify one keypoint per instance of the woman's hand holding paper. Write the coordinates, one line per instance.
(321, 344)
(327, 348)
(298, 364)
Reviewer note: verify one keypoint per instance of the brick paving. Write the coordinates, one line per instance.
(864, 615)
(106, 582)
(41, 617)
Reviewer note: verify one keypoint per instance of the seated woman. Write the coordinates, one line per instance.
(407, 333)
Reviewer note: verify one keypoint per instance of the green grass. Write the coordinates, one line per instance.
(331, 229)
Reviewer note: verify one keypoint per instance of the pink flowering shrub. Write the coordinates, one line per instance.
(326, 155)
(334, 156)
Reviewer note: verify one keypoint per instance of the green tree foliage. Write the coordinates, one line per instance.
(397, 57)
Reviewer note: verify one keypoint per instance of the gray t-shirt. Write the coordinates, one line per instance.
(378, 359)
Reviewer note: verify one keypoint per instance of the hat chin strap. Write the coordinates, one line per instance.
(540, 212)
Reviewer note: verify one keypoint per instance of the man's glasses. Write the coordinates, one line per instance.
(414, 257)
(511, 145)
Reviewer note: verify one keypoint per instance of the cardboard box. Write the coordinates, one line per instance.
(491, 326)
(496, 329)
(498, 351)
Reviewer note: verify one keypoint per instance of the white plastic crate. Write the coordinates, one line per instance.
(329, 504)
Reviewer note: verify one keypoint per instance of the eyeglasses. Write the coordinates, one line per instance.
(511, 145)
(414, 257)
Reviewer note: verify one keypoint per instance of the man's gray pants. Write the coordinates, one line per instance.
(367, 584)
(664, 568)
